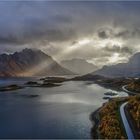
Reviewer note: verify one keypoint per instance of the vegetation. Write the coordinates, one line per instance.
(111, 83)
(31, 83)
(49, 85)
(114, 83)
(54, 79)
(44, 84)
(110, 126)
(134, 111)
(134, 86)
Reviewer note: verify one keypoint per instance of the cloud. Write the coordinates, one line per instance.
(116, 32)
(105, 32)
(36, 33)
(62, 19)
(111, 27)
(129, 33)
(119, 49)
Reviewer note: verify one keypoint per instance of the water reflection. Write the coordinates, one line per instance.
(59, 112)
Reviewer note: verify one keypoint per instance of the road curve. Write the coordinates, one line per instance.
(125, 122)
(127, 91)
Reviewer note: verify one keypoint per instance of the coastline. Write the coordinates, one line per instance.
(94, 118)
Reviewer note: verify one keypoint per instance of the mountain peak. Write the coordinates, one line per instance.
(29, 50)
(136, 56)
(30, 62)
(129, 69)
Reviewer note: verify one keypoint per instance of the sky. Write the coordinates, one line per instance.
(103, 33)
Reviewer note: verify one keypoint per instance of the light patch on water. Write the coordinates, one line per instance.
(66, 98)
(120, 93)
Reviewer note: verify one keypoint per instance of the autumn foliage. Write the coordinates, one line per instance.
(110, 125)
(134, 109)
(134, 86)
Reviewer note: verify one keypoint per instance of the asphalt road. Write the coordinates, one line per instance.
(127, 127)
(127, 91)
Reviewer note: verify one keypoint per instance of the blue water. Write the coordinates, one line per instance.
(58, 112)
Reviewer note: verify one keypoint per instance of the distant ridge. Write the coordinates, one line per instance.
(129, 69)
(30, 62)
(79, 66)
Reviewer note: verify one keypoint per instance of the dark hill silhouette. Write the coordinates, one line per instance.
(30, 62)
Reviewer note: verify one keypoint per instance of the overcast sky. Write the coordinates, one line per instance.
(100, 32)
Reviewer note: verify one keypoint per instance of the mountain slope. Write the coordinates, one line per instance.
(79, 66)
(30, 62)
(130, 69)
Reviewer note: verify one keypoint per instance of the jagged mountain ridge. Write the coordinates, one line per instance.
(30, 62)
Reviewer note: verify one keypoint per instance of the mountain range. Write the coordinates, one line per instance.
(79, 66)
(129, 69)
(33, 62)
(30, 62)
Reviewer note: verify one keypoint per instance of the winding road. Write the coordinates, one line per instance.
(126, 122)
(127, 91)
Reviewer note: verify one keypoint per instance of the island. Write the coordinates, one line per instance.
(43, 84)
(10, 88)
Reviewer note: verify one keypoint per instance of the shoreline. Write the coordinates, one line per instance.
(94, 118)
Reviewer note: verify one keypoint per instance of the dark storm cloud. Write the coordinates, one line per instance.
(124, 33)
(105, 33)
(102, 34)
(32, 30)
(132, 33)
(37, 35)
(128, 50)
(10, 39)
(60, 20)
(41, 23)
(119, 49)
(29, 21)
(114, 48)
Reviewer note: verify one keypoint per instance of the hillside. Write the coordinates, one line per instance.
(129, 69)
(107, 82)
(134, 86)
(30, 62)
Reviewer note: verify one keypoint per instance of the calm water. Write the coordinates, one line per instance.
(59, 112)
